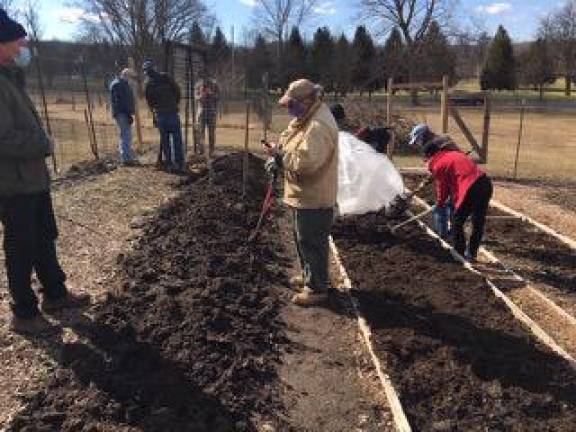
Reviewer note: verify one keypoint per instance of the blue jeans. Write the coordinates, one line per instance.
(442, 216)
(169, 126)
(125, 127)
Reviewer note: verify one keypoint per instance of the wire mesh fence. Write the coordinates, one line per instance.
(77, 110)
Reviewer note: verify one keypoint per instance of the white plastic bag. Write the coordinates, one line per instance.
(367, 180)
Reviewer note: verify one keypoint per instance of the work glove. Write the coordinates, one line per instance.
(273, 164)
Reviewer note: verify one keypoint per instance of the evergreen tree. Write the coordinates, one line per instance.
(499, 71)
(295, 56)
(197, 37)
(363, 60)
(322, 59)
(394, 55)
(258, 63)
(342, 72)
(537, 66)
(219, 49)
(437, 58)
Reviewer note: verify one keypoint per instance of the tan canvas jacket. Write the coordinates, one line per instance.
(310, 160)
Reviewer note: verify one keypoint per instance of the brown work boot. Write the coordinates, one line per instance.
(308, 298)
(297, 282)
(69, 301)
(31, 326)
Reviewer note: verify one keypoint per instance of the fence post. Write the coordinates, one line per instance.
(486, 129)
(389, 96)
(444, 104)
(136, 92)
(519, 142)
(246, 161)
(88, 116)
(45, 106)
(266, 83)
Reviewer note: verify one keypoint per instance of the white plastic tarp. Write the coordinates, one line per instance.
(367, 180)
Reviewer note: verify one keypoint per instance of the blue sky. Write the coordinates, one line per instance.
(520, 17)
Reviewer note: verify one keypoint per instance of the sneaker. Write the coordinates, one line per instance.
(470, 258)
(70, 301)
(308, 298)
(31, 326)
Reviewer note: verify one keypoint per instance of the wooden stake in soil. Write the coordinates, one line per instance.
(245, 161)
(519, 142)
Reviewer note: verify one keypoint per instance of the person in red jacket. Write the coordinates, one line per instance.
(457, 176)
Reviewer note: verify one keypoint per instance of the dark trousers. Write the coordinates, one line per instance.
(171, 130)
(29, 244)
(311, 231)
(475, 205)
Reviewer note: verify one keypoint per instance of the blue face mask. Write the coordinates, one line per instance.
(296, 109)
(23, 58)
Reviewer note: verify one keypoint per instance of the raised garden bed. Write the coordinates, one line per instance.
(190, 339)
(457, 356)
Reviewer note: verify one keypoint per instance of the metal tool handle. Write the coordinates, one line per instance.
(412, 219)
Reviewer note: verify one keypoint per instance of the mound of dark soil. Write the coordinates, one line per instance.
(457, 356)
(190, 341)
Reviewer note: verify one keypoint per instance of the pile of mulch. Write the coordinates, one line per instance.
(190, 338)
(456, 355)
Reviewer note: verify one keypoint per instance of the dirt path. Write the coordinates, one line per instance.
(329, 383)
(197, 319)
(105, 205)
(552, 206)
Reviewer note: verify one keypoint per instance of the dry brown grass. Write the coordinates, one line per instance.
(548, 147)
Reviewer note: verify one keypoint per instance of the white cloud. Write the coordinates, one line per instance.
(494, 8)
(325, 8)
(250, 3)
(73, 15)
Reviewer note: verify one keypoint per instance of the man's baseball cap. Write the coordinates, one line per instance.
(300, 90)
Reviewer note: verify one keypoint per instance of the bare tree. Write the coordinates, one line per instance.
(140, 26)
(31, 17)
(559, 28)
(7, 5)
(412, 18)
(275, 18)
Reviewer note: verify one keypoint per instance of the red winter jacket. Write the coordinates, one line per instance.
(454, 173)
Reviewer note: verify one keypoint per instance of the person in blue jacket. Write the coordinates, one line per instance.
(123, 109)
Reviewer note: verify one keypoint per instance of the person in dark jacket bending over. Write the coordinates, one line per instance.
(457, 176)
(163, 97)
(123, 108)
(25, 203)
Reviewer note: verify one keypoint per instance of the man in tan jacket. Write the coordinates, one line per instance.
(308, 153)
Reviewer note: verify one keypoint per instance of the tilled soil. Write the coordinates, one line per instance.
(456, 355)
(534, 254)
(189, 341)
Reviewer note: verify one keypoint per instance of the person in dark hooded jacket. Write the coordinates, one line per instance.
(26, 211)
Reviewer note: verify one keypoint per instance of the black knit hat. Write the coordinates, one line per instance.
(10, 30)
